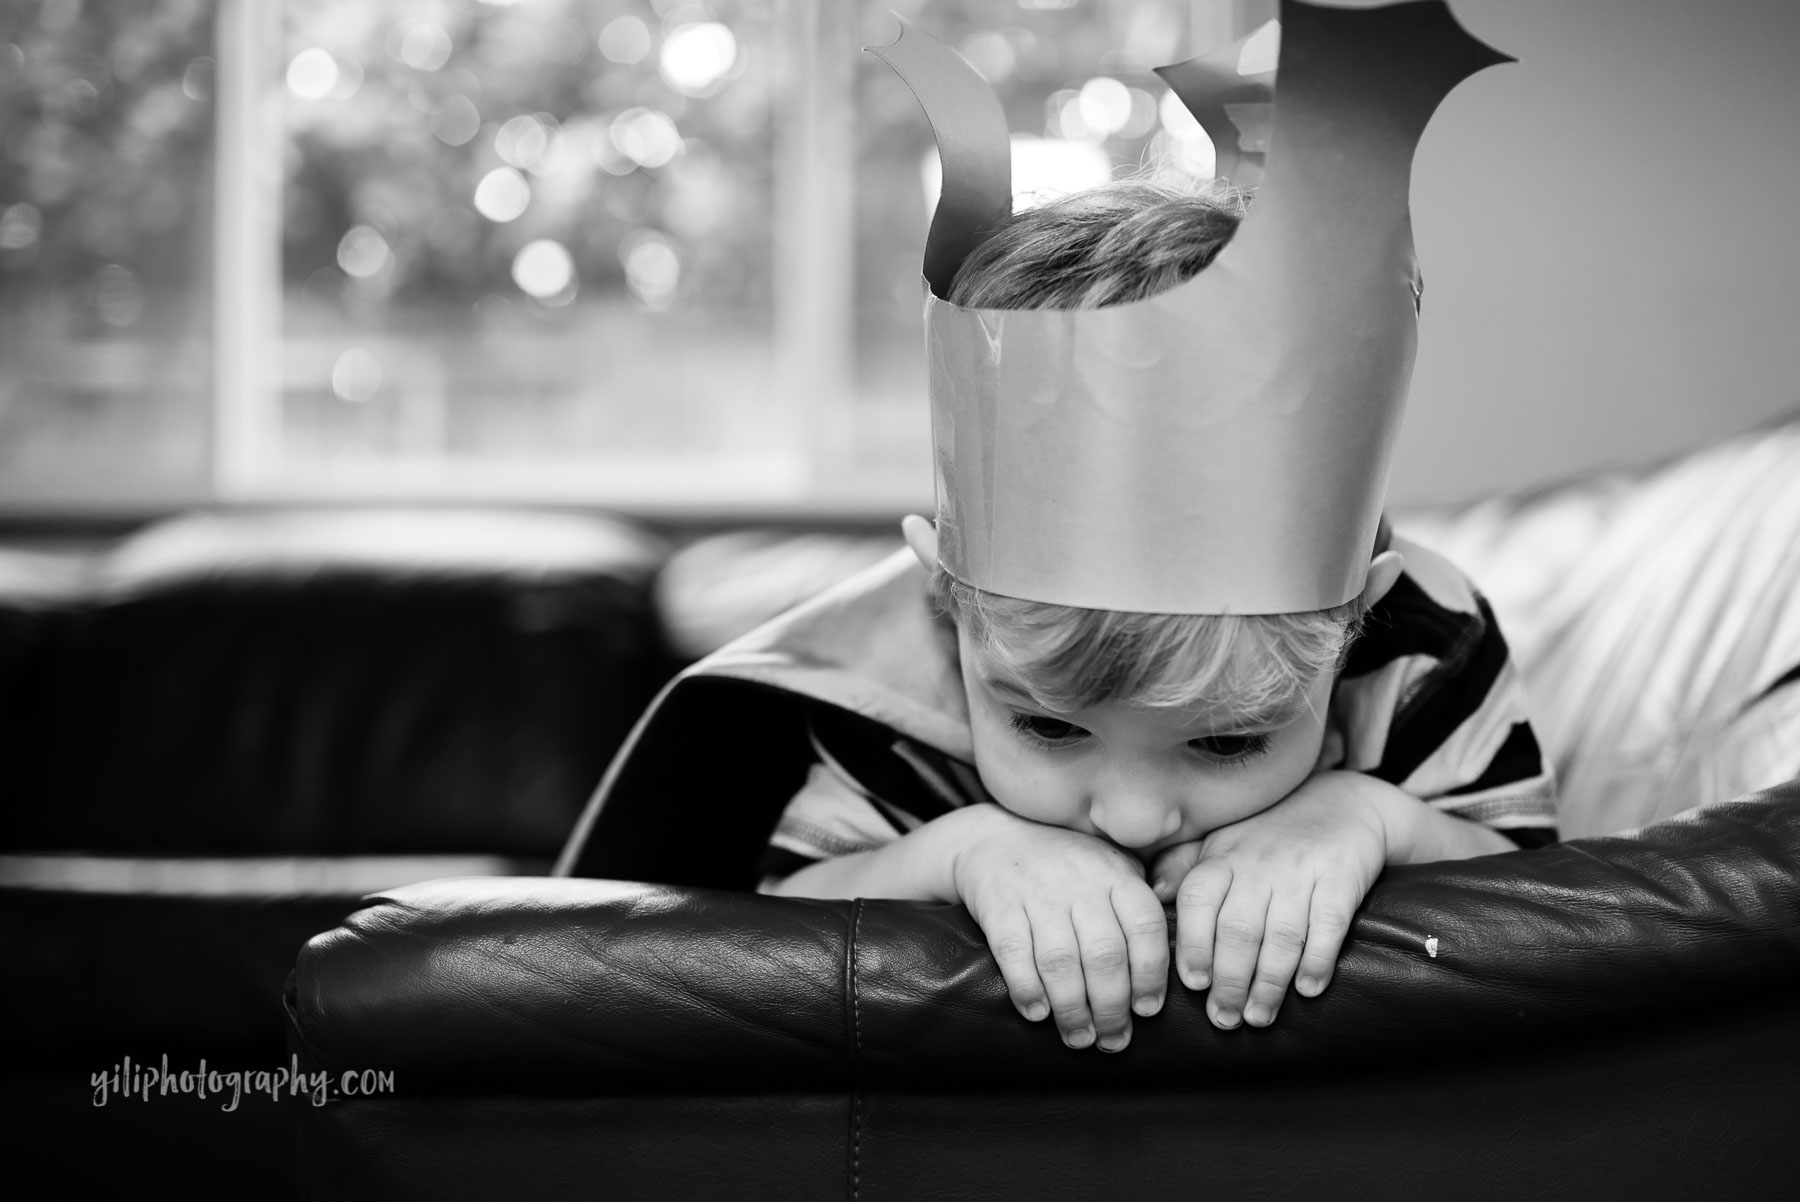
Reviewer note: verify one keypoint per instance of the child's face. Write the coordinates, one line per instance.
(1145, 778)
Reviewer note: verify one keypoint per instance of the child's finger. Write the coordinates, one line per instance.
(1146, 930)
(1197, 904)
(1009, 939)
(1057, 955)
(1106, 965)
(1236, 947)
(1332, 909)
(1170, 867)
(1284, 934)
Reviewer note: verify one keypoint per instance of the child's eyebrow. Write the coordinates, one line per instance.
(1269, 717)
(1002, 685)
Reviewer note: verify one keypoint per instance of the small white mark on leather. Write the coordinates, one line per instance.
(1431, 946)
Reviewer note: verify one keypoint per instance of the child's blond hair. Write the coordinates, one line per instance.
(1108, 245)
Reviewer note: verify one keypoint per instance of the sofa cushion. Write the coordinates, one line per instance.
(352, 681)
(108, 956)
(1656, 620)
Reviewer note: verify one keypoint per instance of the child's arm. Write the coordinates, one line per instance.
(1264, 899)
(1075, 930)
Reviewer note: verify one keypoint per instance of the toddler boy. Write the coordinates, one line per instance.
(1124, 667)
(1262, 768)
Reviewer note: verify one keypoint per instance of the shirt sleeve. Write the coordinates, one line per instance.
(1431, 702)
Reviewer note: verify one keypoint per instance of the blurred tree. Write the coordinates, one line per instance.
(106, 118)
(430, 123)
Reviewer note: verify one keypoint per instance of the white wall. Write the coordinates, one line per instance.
(1610, 237)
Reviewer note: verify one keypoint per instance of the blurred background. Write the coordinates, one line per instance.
(662, 255)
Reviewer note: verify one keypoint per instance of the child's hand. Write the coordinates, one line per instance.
(1076, 931)
(1260, 898)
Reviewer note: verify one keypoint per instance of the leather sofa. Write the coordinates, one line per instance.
(223, 730)
(1615, 1016)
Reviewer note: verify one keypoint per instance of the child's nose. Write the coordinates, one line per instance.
(1133, 818)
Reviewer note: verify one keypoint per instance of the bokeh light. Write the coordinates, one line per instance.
(646, 137)
(362, 252)
(522, 141)
(625, 40)
(652, 267)
(312, 74)
(696, 58)
(197, 80)
(991, 54)
(19, 226)
(502, 195)
(1105, 105)
(1142, 118)
(1064, 119)
(356, 376)
(426, 47)
(456, 120)
(545, 270)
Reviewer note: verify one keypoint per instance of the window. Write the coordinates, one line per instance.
(107, 117)
(650, 253)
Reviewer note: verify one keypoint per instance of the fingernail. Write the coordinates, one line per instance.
(1258, 1015)
(1146, 1006)
(1226, 1018)
(1196, 980)
(1308, 986)
(1036, 1011)
(1082, 1038)
(1162, 888)
(1114, 1043)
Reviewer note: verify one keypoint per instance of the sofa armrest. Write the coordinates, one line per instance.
(550, 985)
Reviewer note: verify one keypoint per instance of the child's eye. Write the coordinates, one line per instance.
(1044, 731)
(1230, 749)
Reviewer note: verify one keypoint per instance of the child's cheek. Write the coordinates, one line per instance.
(1023, 783)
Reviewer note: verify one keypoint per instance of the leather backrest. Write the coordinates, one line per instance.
(354, 681)
(573, 985)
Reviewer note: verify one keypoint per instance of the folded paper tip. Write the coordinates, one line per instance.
(1488, 55)
(904, 28)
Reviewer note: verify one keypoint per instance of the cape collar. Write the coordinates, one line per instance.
(872, 644)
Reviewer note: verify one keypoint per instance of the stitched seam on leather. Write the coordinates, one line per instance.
(856, 909)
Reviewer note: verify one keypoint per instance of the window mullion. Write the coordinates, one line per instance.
(246, 252)
(815, 232)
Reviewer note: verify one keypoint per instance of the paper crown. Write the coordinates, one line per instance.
(1221, 447)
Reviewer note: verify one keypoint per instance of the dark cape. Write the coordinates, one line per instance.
(694, 793)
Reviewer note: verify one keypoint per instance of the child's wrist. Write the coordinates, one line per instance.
(1395, 814)
(961, 830)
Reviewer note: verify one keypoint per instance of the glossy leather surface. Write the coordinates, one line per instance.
(1612, 1017)
(556, 985)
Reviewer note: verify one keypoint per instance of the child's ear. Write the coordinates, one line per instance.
(1384, 570)
(921, 536)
